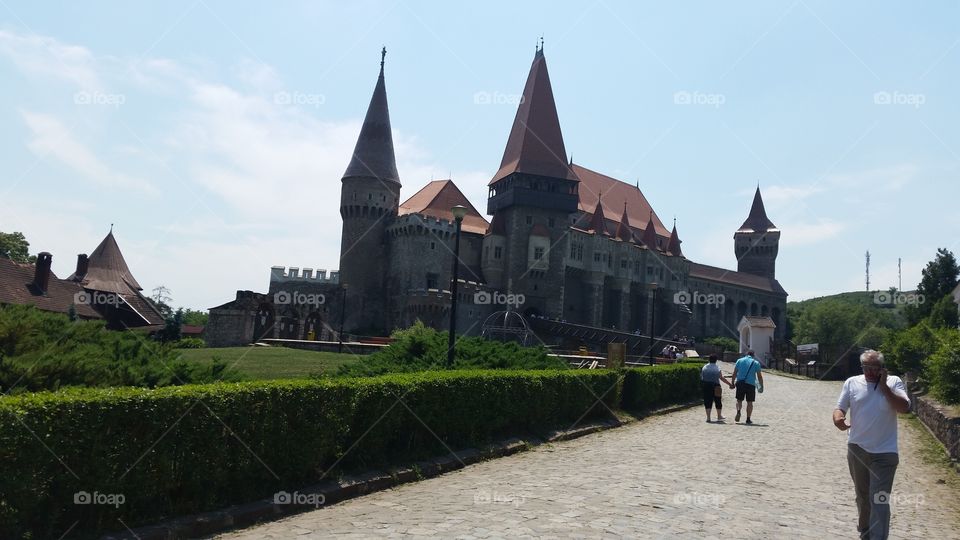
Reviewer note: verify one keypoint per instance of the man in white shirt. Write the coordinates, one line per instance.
(873, 401)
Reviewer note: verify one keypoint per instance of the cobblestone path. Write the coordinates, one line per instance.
(666, 476)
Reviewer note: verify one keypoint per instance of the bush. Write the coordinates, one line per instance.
(725, 343)
(420, 348)
(180, 450)
(47, 351)
(648, 388)
(943, 369)
(189, 343)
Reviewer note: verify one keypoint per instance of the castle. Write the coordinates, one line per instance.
(564, 242)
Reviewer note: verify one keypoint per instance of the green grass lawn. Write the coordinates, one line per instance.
(272, 362)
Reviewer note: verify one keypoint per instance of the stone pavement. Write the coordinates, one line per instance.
(666, 476)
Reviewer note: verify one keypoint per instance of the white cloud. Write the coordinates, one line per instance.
(50, 138)
(808, 233)
(48, 57)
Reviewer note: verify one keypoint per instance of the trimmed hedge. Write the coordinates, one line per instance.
(648, 388)
(181, 450)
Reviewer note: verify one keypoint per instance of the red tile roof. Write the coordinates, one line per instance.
(624, 231)
(535, 145)
(598, 222)
(722, 275)
(437, 198)
(674, 245)
(616, 193)
(15, 288)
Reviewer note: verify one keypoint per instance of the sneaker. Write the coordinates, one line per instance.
(708, 420)
(737, 417)
(749, 421)
(721, 418)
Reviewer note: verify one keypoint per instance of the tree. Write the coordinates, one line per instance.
(195, 318)
(161, 300)
(14, 246)
(944, 314)
(834, 322)
(939, 278)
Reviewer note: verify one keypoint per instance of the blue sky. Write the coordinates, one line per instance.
(213, 135)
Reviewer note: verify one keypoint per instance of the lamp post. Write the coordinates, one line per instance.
(458, 213)
(653, 320)
(343, 310)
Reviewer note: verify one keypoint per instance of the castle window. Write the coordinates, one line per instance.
(432, 280)
(354, 195)
(596, 257)
(623, 263)
(551, 222)
(538, 253)
(369, 196)
(433, 245)
(497, 252)
(529, 220)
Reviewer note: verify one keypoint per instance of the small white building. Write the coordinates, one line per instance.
(757, 333)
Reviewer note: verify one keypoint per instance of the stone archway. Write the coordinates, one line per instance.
(263, 321)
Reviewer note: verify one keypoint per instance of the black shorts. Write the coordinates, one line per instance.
(746, 390)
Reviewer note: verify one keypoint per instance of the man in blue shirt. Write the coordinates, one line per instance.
(746, 372)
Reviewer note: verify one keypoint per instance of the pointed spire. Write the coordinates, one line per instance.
(107, 270)
(674, 245)
(535, 145)
(757, 221)
(373, 155)
(650, 234)
(624, 232)
(598, 223)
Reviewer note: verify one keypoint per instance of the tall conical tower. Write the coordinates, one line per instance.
(757, 242)
(369, 198)
(532, 196)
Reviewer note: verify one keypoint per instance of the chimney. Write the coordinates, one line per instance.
(82, 264)
(41, 276)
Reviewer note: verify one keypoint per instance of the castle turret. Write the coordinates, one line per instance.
(757, 242)
(369, 199)
(533, 194)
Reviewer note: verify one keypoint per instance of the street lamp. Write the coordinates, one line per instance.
(458, 213)
(653, 320)
(343, 310)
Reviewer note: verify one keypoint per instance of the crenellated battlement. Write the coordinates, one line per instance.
(294, 274)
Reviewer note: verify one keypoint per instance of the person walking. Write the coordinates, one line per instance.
(873, 401)
(746, 374)
(710, 377)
